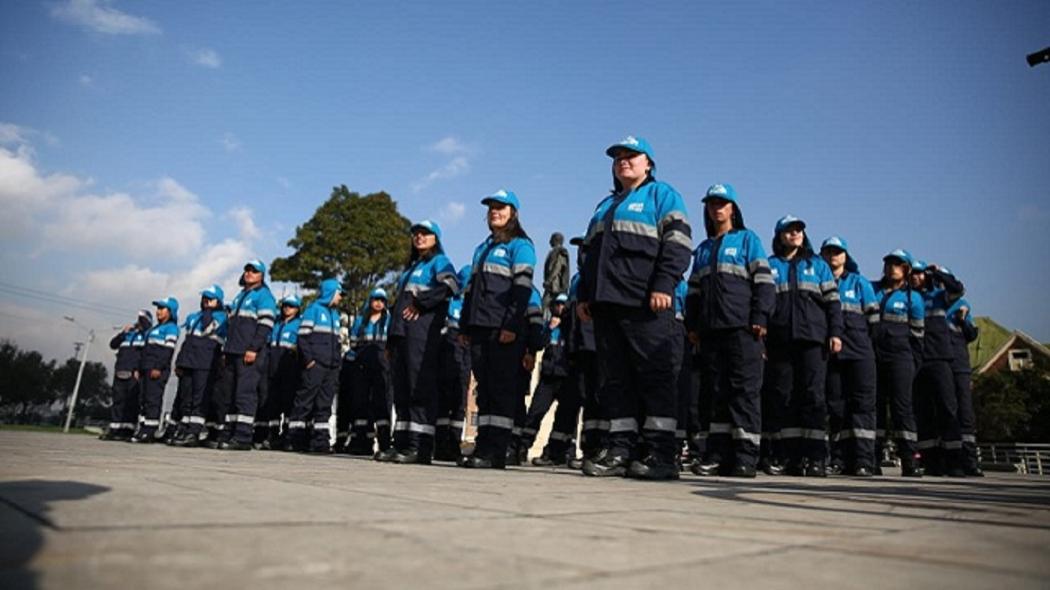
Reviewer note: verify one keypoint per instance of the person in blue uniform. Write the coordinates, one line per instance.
(320, 353)
(197, 364)
(493, 323)
(155, 367)
(963, 331)
(251, 317)
(128, 343)
(282, 377)
(684, 371)
(553, 387)
(639, 244)
(850, 385)
(369, 378)
(805, 326)
(424, 289)
(731, 296)
(937, 416)
(898, 338)
(518, 449)
(583, 369)
(455, 379)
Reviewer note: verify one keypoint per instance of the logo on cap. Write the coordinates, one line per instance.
(717, 189)
(500, 193)
(630, 140)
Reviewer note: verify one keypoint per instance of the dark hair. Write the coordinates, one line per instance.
(709, 224)
(805, 250)
(510, 231)
(414, 255)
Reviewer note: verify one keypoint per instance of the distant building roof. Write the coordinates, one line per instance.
(1016, 340)
(990, 338)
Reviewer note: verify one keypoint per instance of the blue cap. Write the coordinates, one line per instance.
(257, 264)
(171, 304)
(214, 292)
(635, 144)
(503, 196)
(900, 254)
(563, 298)
(918, 265)
(835, 242)
(724, 191)
(787, 221)
(378, 293)
(428, 226)
(291, 300)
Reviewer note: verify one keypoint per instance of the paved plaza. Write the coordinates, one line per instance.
(76, 512)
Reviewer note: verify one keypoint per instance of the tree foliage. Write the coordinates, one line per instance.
(25, 379)
(361, 240)
(1013, 406)
(95, 395)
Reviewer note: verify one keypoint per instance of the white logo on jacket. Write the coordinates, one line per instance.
(898, 305)
(730, 251)
(499, 253)
(636, 207)
(851, 294)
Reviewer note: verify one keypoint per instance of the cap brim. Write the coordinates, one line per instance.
(159, 303)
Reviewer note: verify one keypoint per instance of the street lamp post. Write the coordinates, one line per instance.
(80, 375)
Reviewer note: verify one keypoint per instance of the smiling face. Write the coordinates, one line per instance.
(630, 167)
(499, 215)
(377, 305)
(423, 241)
(252, 276)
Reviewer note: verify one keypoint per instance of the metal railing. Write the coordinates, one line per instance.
(1025, 458)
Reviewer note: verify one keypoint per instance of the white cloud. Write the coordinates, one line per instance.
(99, 16)
(452, 212)
(455, 167)
(230, 142)
(449, 146)
(86, 80)
(11, 134)
(245, 221)
(205, 57)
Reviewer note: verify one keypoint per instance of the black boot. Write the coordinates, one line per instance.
(606, 464)
(653, 469)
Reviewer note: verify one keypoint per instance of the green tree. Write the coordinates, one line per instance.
(361, 240)
(95, 395)
(1013, 406)
(25, 379)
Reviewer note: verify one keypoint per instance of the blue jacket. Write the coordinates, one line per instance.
(205, 335)
(963, 332)
(319, 330)
(637, 244)
(252, 316)
(899, 332)
(160, 346)
(129, 347)
(808, 307)
(368, 340)
(534, 317)
(860, 312)
(937, 345)
(284, 348)
(500, 286)
(681, 291)
(731, 286)
(427, 284)
(555, 353)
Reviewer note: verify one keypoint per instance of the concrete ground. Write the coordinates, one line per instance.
(76, 512)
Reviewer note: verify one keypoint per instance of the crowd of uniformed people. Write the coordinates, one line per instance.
(720, 360)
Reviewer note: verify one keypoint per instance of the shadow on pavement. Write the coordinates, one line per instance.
(24, 507)
(974, 502)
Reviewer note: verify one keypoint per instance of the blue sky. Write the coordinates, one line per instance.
(150, 147)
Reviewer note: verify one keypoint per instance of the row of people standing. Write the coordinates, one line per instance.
(771, 336)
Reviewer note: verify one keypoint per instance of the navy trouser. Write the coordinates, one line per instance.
(194, 386)
(937, 412)
(497, 370)
(967, 419)
(344, 400)
(794, 386)
(543, 398)
(638, 350)
(686, 390)
(731, 378)
(584, 378)
(893, 392)
(281, 386)
(415, 373)
(151, 401)
(312, 408)
(241, 383)
(452, 396)
(124, 411)
(566, 418)
(850, 394)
